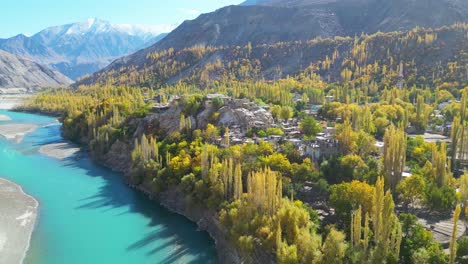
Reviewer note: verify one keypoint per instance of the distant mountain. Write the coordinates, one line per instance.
(273, 21)
(82, 48)
(16, 72)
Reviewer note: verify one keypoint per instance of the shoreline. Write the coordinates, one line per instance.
(29, 220)
(60, 150)
(10, 100)
(203, 218)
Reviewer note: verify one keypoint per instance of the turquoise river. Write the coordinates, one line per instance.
(87, 214)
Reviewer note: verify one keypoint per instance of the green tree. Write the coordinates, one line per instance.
(310, 127)
(418, 244)
(462, 250)
(354, 166)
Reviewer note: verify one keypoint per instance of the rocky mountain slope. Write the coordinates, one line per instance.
(421, 52)
(16, 72)
(292, 20)
(273, 21)
(82, 48)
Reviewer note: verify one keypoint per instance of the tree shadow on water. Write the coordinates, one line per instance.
(171, 239)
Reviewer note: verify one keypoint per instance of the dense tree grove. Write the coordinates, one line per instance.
(375, 171)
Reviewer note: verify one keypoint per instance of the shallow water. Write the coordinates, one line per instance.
(87, 215)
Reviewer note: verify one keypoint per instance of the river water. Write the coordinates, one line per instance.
(87, 215)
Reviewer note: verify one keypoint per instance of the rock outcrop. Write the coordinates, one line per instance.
(234, 112)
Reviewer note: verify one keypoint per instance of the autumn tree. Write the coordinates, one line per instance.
(346, 137)
(394, 155)
(264, 190)
(411, 189)
(439, 163)
(286, 113)
(211, 133)
(334, 247)
(453, 238)
(386, 226)
(348, 196)
(226, 140)
(310, 127)
(464, 191)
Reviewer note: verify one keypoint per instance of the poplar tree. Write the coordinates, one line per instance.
(394, 155)
(455, 133)
(347, 138)
(182, 122)
(386, 226)
(226, 140)
(453, 239)
(439, 163)
(264, 190)
(356, 225)
(238, 188)
(205, 162)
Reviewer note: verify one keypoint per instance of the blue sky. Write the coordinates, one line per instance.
(30, 16)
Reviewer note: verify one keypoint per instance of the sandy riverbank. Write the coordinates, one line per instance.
(4, 118)
(8, 101)
(16, 132)
(61, 150)
(18, 212)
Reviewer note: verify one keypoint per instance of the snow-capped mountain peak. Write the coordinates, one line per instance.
(81, 48)
(96, 26)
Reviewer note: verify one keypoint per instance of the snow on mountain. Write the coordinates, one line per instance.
(82, 48)
(98, 26)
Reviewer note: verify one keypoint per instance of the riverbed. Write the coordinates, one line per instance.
(86, 213)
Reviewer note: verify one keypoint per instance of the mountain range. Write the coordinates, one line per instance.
(267, 22)
(16, 72)
(82, 48)
(97, 50)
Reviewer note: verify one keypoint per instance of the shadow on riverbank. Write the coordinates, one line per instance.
(170, 232)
